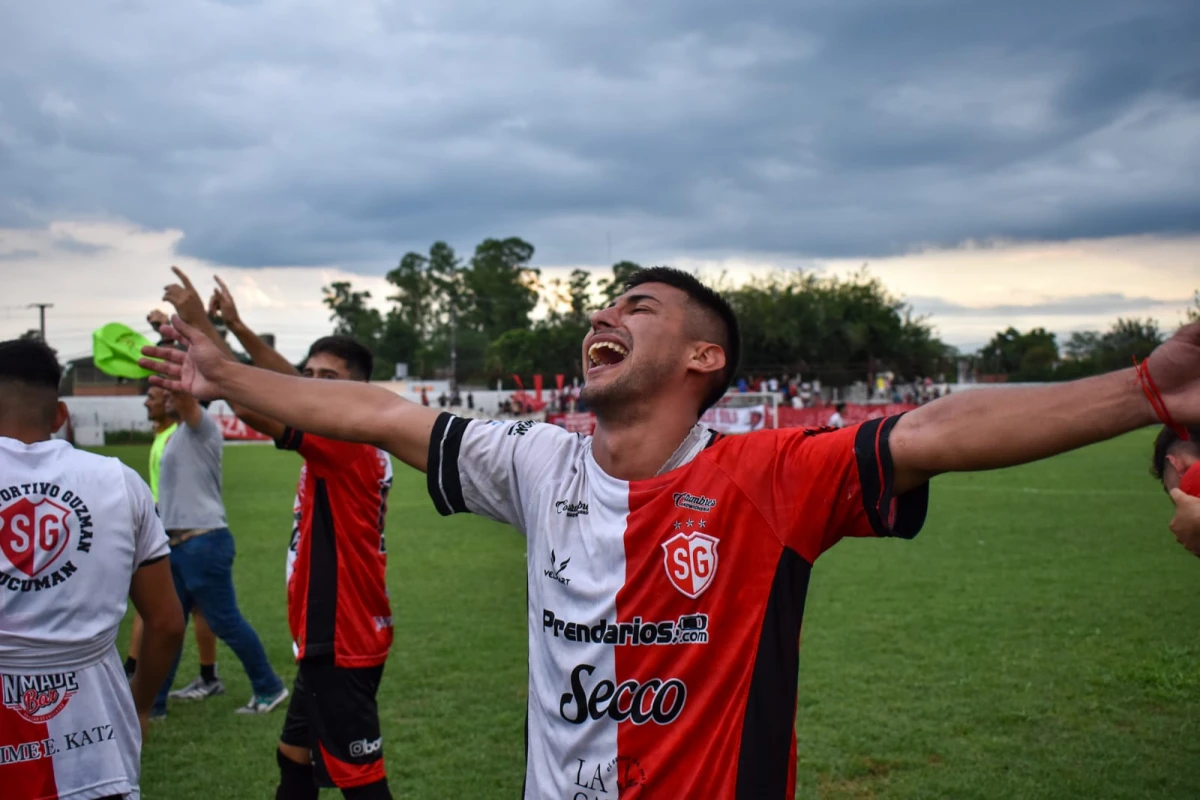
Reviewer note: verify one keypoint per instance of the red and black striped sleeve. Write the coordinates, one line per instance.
(815, 487)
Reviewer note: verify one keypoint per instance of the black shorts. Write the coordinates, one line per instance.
(333, 714)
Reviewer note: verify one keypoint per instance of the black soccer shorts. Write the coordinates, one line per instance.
(334, 715)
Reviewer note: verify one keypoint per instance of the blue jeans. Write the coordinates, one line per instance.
(203, 571)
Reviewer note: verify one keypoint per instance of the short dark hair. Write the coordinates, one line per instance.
(1164, 443)
(29, 377)
(357, 357)
(31, 362)
(730, 339)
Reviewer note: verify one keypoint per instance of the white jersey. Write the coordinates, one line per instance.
(74, 526)
(664, 614)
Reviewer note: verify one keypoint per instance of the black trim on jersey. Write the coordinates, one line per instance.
(713, 438)
(150, 561)
(322, 591)
(875, 473)
(769, 721)
(441, 471)
(290, 439)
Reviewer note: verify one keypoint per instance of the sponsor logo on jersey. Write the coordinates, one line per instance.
(556, 569)
(38, 698)
(364, 747)
(691, 562)
(575, 509)
(36, 534)
(623, 772)
(656, 700)
(521, 428)
(694, 502)
(688, 629)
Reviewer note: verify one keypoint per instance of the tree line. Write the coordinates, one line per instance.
(474, 319)
(1036, 355)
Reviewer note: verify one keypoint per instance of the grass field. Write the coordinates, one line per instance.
(1038, 639)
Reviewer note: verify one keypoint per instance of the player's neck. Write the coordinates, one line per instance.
(636, 449)
(23, 434)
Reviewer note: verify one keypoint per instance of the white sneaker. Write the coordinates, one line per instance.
(264, 704)
(199, 689)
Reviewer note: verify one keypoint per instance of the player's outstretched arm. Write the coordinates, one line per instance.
(348, 410)
(989, 429)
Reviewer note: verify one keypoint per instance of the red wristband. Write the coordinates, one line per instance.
(1156, 399)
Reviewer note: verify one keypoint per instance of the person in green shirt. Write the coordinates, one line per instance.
(161, 435)
(164, 422)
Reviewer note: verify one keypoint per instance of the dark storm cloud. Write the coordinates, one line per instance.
(283, 133)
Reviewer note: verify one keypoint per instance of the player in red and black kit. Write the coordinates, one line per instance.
(338, 608)
(663, 663)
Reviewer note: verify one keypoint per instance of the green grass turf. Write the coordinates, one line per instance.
(1038, 639)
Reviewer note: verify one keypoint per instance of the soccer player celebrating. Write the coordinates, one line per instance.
(338, 608)
(668, 565)
(78, 536)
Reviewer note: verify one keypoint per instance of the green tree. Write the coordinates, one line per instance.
(413, 293)
(612, 288)
(500, 288)
(1021, 356)
(1125, 340)
(350, 313)
(1082, 345)
(579, 293)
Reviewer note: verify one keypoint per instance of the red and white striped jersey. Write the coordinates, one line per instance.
(664, 614)
(74, 527)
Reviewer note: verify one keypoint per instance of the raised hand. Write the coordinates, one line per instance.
(195, 371)
(185, 298)
(222, 305)
(1175, 368)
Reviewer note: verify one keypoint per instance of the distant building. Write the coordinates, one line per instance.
(82, 379)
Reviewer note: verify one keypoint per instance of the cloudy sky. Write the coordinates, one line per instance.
(1023, 162)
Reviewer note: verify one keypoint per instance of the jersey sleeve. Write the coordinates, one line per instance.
(150, 540)
(318, 449)
(489, 468)
(823, 485)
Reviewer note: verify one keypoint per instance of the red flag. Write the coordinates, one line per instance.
(537, 388)
(558, 381)
(520, 385)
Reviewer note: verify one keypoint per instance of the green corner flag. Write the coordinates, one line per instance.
(116, 349)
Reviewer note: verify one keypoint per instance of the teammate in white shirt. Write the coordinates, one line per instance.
(667, 565)
(78, 535)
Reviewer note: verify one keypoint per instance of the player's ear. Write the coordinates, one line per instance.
(707, 358)
(61, 415)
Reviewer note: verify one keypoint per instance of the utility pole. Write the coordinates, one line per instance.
(41, 307)
(453, 330)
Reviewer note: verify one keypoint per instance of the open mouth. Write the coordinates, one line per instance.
(606, 354)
